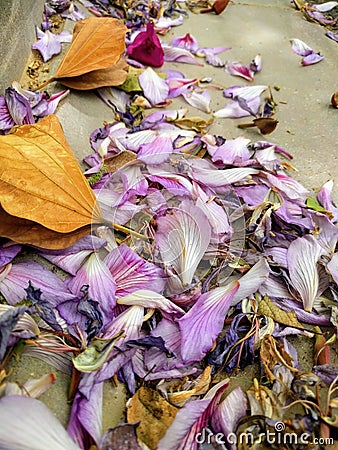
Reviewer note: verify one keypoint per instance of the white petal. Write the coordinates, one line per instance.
(27, 424)
(155, 89)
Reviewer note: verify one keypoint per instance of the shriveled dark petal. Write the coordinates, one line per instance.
(8, 320)
(150, 342)
(43, 307)
(326, 373)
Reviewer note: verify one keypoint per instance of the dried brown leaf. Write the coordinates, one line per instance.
(25, 231)
(113, 163)
(98, 43)
(273, 352)
(153, 412)
(42, 188)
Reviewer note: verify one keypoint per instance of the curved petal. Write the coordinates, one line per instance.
(155, 89)
(182, 238)
(27, 424)
(201, 325)
(303, 255)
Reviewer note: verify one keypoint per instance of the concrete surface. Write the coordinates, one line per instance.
(17, 33)
(307, 123)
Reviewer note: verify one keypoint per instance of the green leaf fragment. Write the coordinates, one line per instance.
(96, 354)
(312, 203)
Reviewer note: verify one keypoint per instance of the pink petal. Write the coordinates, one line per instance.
(237, 69)
(188, 42)
(146, 48)
(179, 55)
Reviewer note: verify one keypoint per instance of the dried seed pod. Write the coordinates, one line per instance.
(334, 100)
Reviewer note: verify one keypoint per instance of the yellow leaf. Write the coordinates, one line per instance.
(94, 58)
(153, 412)
(42, 188)
(266, 307)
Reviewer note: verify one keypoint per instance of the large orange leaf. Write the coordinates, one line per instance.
(111, 76)
(95, 56)
(42, 184)
(98, 43)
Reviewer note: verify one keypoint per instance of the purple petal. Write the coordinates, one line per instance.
(165, 23)
(229, 412)
(116, 99)
(189, 427)
(18, 107)
(233, 111)
(71, 258)
(8, 253)
(181, 435)
(326, 6)
(303, 255)
(289, 187)
(332, 35)
(251, 281)
(232, 151)
(130, 321)
(52, 103)
(49, 44)
(246, 92)
(313, 58)
(300, 48)
(218, 178)
(39, 429)
(170, 332)
(146, 48)
(102, 286)
(216, 214)
(179, 86)
(14, 279)
(155, 89)
(201, 325)
(324, 197)
(252, 195)
(332, 267)
(327, 373)
(156, 152)
(131, 272)
(6, 120)
(86, 413)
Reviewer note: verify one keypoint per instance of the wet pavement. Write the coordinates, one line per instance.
(307, 123)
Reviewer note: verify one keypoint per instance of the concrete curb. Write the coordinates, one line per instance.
(17, 33)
